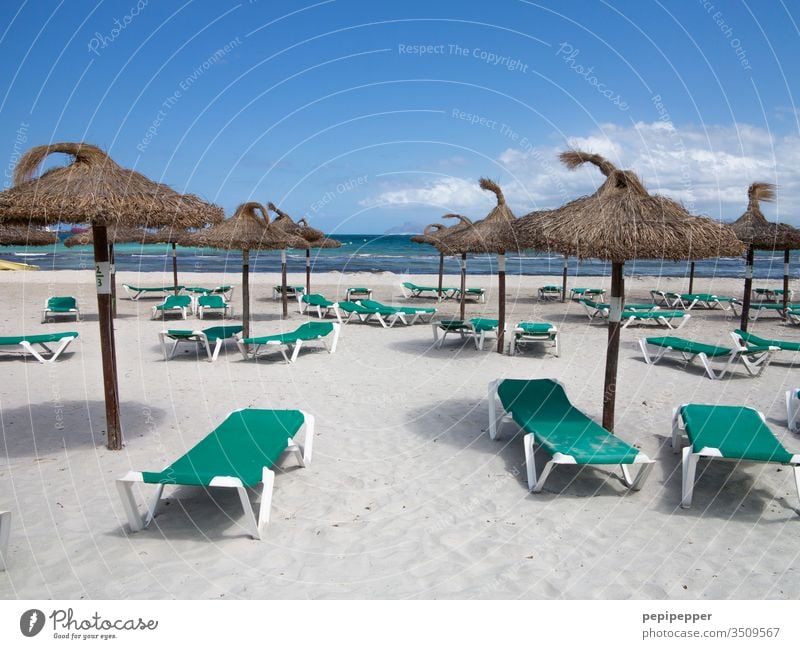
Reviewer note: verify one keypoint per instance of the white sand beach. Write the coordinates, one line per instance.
(406, 496)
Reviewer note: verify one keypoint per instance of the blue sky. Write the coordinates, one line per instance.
(365, 115)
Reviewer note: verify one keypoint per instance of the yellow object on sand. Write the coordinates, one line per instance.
(15, 265)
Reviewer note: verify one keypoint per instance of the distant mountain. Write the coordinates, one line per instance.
(409, 227)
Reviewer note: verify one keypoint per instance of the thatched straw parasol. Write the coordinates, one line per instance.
(308, 238)
(757, 233)
(95, 189)
(21, 235)
(440, 239)
(244, 231)
(495, 233)
(622, 221)
(171, 236)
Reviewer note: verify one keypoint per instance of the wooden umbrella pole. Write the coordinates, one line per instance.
(284, 287)
(564, 280)
(785, 282)
(107, 346)
(748, 288)
(691, 278)
(612, 352)
(463, 282)
(113, 280)
(308, 271)
(501, 300)
(175, 267)
(441, 272)
(245, 293)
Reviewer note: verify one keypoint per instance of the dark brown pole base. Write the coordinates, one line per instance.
(501, 305)
(612, 352)
(441, 272)
(107, 345)
(785, 282)
(175, 268)
(245, 293)
(748, 289)
(564, 281)
(308, 271)
(691, 278)
(284, 291)
(463, 284)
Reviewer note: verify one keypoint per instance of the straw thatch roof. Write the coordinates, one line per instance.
(245, 230)
(311, 236)
(116, 234)
(22, 235)
(753, 228)
(495, 233)
(430, 234)
(621, 221)
(445, 239)
(95, 189)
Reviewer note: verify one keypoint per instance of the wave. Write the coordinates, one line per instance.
(31, 254)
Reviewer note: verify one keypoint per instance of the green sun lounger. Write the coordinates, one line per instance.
(706, 300)
(664, 298)
(476, 329)
(744, 338)
(771, 294)
(541, 408)
(414, 290)
(61, 306)
(225, 291)
(215, 304)
(45, 354)
(202, 339)
(579, 292)
(291, 291)
(318, 302)
(754, 358)
(549, 292)
(308, 332)
(238, 454)
(385, 316)
(5, 531)
(524, 333)
(733, 433)
(477, 294)
(602, 309)
(180, 304)
(414, 313)
(358, 292)
(135, 292)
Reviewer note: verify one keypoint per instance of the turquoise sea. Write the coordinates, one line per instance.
(370, 253)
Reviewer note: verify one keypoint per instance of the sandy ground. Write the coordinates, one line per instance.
(407, 497)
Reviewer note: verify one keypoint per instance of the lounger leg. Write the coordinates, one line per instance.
(212, 356)
(152, 507)
(247, 506)
(710, 371)
(435, 328)
(265, 507)
(296, 351)
(242, 348)
(492, 409)
(676, 428)
(796, 471)
(125, 488)
(689, 468)
(641, 475)
(511, 344)
(792, 410)
(336, 330)
(534, 485)
(5, 530)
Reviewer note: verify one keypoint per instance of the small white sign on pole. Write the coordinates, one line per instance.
(102, 275)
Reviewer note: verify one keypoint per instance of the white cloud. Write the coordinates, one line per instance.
(707, 167)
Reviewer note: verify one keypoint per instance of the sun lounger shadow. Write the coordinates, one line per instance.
(59, 425)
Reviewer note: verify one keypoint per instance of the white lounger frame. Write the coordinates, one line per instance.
(548, 293)
(640, 317)
(712, 303)
(255, 525)
(386, 323)
(76, 312)
(305, 306)
(183, 310)
(250, 350)
(526, 337)
(793, 410)
(5, 531)
(63, 343)
(354, 292)
(690, 458)
(135, 293)
(573, 296)
(199, 338)
(664, 298)
(447, 293)
(468, 331)
(291, 291)
(753, 367)
(227, 310)
(535, 484)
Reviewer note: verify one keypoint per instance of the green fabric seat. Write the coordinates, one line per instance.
(135, 292)
(755, 341)
(359, 289)
(203, 338)
(755, 358)
(180, 304)
(542, 409)
(535, 327)
(733, 433)
(44, 354)
(414, 312)
(239, 453)
(386, 316)
(207, 291)
(533, 332)
(62, 304)
(310, 331)
(315, 299)
(475, 328)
